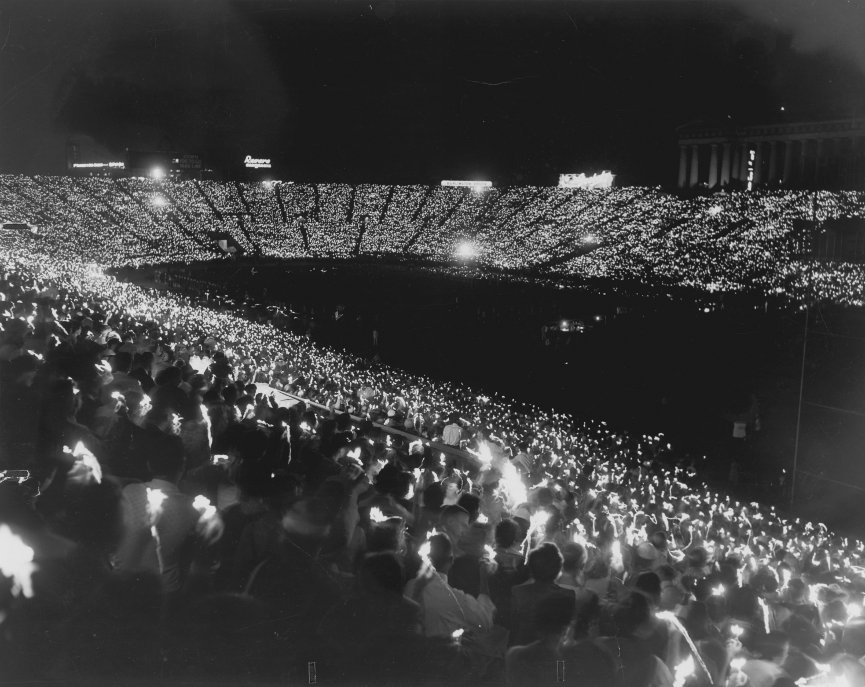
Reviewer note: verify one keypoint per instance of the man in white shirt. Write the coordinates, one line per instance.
(160, 524)
(453, 431)
(445, 609)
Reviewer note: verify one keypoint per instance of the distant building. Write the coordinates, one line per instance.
(810, 155)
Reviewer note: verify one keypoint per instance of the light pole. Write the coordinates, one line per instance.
(799, 415)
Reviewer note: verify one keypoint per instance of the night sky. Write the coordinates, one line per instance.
(413, 92)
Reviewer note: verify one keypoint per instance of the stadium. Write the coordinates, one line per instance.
(260, 428)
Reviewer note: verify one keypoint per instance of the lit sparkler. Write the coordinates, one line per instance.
(683, 671)
(16, 562)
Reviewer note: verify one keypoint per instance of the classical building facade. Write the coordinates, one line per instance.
(813, 155)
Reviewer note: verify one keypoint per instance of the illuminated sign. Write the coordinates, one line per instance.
(99, 165)
(752, 155)
(256, 162)
(596, 181)
(474, 185)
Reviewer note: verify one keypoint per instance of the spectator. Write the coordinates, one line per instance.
(544, 564)
(447, 610)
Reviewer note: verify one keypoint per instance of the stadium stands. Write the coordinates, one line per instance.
(173, 524)
(725, 242)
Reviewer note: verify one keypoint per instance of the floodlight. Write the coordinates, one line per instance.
(466, 251)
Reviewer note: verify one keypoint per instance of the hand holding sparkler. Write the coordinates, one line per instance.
(210, 526)
(85, 467)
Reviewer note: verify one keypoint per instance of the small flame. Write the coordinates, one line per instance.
(482, 519)
(155, 499)
(376, 515)
(683, 671)
(539, 519)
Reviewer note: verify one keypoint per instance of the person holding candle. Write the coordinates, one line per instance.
(445, 609)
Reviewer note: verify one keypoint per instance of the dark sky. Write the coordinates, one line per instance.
(516, 92)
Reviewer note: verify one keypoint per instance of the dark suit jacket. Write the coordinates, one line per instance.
(524, 601)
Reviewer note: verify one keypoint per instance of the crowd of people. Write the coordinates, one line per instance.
(726, 242)
(163, 515)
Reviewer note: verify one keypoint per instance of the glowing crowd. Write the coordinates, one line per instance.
(163, 515)
(719, 243)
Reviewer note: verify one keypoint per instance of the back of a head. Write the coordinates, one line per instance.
(630, 613)
(122, 361)
(170, 377)
(343, 422)
(545, 562)
(382, 572)
(771, 647)
(473, 541)
(441, 551)
(574, 557)
(545, 497)
(649, 584)
(507, 532)
(471, 503)
(386, 536)
(450, 513)
(166, 459)
(658, 539)
(433, 496)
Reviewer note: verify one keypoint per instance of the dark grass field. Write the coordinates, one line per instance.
(644, 361)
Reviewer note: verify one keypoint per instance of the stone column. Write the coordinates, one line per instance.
(725, 165)
(736, 164)
(773, 162)
(803, 157)
(743, 163)
(819, 162)
(713, 166)
(683, 166)
(788, 163)
(758, 164)
(853, 165)
(695, 166)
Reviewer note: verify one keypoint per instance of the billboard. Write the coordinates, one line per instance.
(98, 165)
(476, 186)
(595, 181)
(256, 162)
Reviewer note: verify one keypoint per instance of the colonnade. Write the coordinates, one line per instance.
(813, 159)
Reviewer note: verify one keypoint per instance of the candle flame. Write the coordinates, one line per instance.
(683, 671)
(16, 562)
